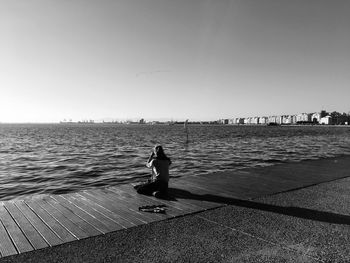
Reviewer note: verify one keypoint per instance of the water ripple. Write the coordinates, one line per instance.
(64, 158)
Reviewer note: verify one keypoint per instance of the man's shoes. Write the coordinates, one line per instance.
(157, 194)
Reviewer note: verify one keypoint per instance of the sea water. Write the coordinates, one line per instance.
(60, 158)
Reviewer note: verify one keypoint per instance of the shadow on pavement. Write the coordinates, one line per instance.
(299, 212)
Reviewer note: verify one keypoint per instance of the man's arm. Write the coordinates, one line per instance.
(150, 159)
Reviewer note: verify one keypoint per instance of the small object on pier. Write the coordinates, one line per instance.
(153, 209)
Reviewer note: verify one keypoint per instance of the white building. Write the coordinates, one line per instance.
(248, 120)
(255, 120)
(263, 120)
(316, 117)
(286, 119)
(279, 119)
(272, 119)
(327, 120)
(294, 119)
(303, 117)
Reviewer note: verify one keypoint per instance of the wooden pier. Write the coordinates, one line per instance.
(42, 221)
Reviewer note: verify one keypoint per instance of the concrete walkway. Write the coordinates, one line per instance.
(305, 225)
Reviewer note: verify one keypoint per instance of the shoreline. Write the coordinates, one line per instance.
(210, 173)
(257, 223)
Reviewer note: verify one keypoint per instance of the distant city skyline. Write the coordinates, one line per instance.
(181, 120)
(163, 59)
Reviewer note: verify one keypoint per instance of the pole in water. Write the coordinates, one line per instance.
(186, 130)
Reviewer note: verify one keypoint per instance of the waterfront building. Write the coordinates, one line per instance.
(303, 117)
(316, 117)
(326, 120)
(263, 120)
(255, 120)
(248, 120)
(234, 121)
(272, 119)
(294, 119)
(223, 121)
(240, 120)
(286, 119)
(279, 119)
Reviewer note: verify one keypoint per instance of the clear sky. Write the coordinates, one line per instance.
(174, 59)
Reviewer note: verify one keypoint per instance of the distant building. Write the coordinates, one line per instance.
(327, 120)
(247, 120)
(272, 119)
(233, 121)
(316, 117)
(322, 117)
(240, 120)
(286, 119)
(279, 119)
(255, 120)
(294, 119)
(224, 121)
(303, 117)
(263, 120)
(236, 121)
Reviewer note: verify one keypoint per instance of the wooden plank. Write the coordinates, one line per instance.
(74, 229)
(134, 202)
(113, 216)
(176, 204)
(48, 234)
(196, 196)
(222, 198)
(235, 187)
(97, 219)
(185, 208)
(199, 201)
(60, 230)
(129, 216)
(88, 229)
(6, 246)
(197, 204)
(113, 207)
(141, 200)
(117, 218)
(205, 191)
(119, 202)
(239, 185)
(221, 183)
(93, 221)
(131, 197)
(34, 237)
(20, 241)
(222, 188)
